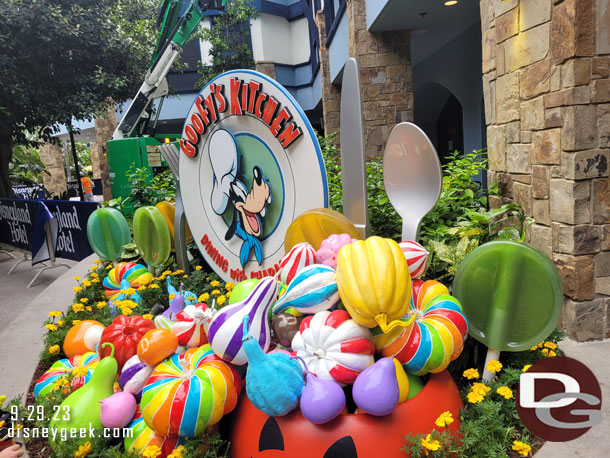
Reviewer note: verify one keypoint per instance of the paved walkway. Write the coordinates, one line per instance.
(22, 311)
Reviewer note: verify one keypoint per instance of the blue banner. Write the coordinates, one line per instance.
(71, 216)
(17, 218)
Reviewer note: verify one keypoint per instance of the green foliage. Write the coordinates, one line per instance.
(229, 38)
(150, 190)
(26, 167)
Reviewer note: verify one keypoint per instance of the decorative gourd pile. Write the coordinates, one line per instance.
(351, 317)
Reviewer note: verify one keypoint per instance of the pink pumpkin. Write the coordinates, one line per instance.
(118, 410)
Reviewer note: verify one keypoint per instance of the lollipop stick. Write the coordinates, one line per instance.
(491, 356)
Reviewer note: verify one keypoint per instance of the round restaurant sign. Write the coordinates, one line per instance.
(250, 164)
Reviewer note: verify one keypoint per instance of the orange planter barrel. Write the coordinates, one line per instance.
(255, 434)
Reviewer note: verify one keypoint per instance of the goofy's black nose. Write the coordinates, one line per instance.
(258, 175)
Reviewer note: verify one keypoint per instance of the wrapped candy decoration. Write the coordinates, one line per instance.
(329, 249)
(189, 392)
(78, 364)
(416, 256)
(300, 256)
(437, 336)
(312, 290)
(134, 376)
(136, 274)
(333, 346)
(190, 325)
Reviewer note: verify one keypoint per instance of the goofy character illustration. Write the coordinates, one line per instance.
(249, 206)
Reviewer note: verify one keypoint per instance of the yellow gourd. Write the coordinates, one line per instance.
(374, 283)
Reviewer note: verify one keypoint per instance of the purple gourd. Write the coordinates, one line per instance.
(225, 332)
(376, 389)
(274, 382)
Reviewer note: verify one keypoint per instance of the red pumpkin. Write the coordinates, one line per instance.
(124, 333)
(255, 434)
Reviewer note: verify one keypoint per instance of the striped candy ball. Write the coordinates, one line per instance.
(416, 256)
(226, 330)
(334, 346)
(134, 375)
(189, 392)
(62, 368)
(135, 274)
(312, 290)
(142, 436)
(436, 337)
(301, 255)
(189, 325)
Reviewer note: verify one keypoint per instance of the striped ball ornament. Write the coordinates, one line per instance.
(300, 256)
(416, 256)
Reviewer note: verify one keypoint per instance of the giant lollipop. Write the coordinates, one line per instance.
(151, 235)
(108, 232)
(511, 294)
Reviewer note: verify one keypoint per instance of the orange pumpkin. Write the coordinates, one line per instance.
(255, 434)
(156, 345)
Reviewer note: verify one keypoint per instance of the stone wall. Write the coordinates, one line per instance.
(266, 68)
(547, 106)
(104, 128)
(52, 156)
(385, 78)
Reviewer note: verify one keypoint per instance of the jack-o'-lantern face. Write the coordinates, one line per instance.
(255, 434)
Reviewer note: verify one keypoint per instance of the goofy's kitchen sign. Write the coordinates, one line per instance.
(250, 164)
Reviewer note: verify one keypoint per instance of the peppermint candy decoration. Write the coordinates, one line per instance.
(312, 290)
(300, 256)
(416, 256)
(134, 375)
(333, 346)
(190, 325)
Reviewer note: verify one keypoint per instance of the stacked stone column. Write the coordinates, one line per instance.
(547, 106)
(52, 156)
(104, 128)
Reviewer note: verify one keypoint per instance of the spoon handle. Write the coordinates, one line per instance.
(410, 229)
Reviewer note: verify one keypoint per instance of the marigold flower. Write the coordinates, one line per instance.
(126, 311)
(77, 278)
(480, 388)
(84, 300)
(60, 383)
(494, 366)
(526, 367)
(77, 289)
(536, 347)
(75, 322)
(178, 272)
(87, 283)
(551, 345)
(96, 262)
(152, 451)
(228, 293)
(471, 374)
(51, 327)
(129, 304)
(473, 397)
(545, 351)
(54, 313)
(54, 349)
(88, 309)
(171, 296)
(198, 267)
(144, 281)
(83, 450)
(215, 292)
(148, 316)
(551, 354)
(93, 275)
(230, 285)
(60, 323)
(430, 444)
(101, 304)
(109, 266)
(185, 276)
(521, 448)
(78, 307)
(95, 280)
(444, 419)
(177, 452)
(221, 300)
(214, 283)
(79, 371)
(141, 288)
(166, 272)
(154, 286)
(204, 297)
(505, 391)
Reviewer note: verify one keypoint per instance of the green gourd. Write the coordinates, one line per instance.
(151, 234)
(82, 408)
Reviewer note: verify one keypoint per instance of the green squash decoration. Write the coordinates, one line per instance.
(151, 234)
(82, 408)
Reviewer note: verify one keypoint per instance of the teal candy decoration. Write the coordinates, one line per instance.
(274, 382)
(108, 232)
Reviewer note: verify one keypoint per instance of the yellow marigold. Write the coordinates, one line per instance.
(215, 292)
(214, 283)
(75, 322)
(129, 304)
(526, 367)
(148, 316)
(131, 291)
(177, 452)
(154, 286)
(60, 323)
(77, 289)
(471, 374)
(551, 354)
(87, 283)
(97, 261)
(142, 288)
(228, 293)
(545, 351)
(166, 272)
(84, 300)
(480, 388)
(185, 276)
(505, 391)
(444, 419)
(473, 397)
(83, 450)
(551, 345)
(152, 451)
(88, 309)
(79, 371)
(144, 281)
(178, 272)
(198, 267)
(51, 327)
(95, 280)
(59, 384)
(536, 347)
(171, 296)
(54, 313)
(78, 308)
(204, 297)
(494, 366)
(93, 275)
(221, 300)
(77, 278)
(229, 286)
(126, 311)
(521, 448)
(109, 266)
(430, 444)
(54, 349)
(101, 304)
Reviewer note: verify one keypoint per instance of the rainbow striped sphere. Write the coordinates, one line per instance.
(135, 274)
(189, 392)
(416, 256)
(300, 256)
(62, 368)
(436, 337)
(142, 436)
